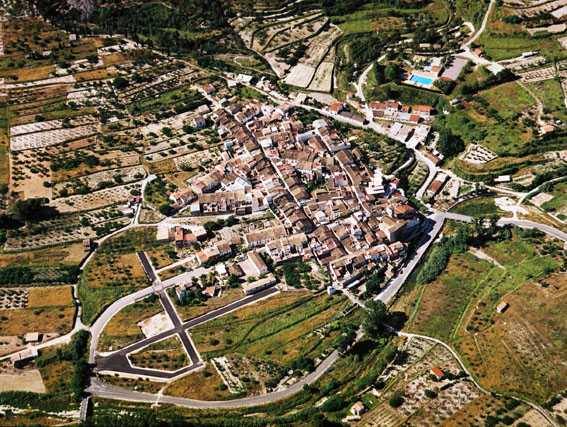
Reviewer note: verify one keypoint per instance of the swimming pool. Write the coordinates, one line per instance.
(422, 80)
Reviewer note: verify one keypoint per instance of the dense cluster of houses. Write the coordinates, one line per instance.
(329, 206)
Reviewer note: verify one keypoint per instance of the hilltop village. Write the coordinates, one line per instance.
(303, 213)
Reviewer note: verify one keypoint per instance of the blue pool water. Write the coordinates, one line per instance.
(421, 79)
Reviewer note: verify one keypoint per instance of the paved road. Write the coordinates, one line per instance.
(104, 390)
(537, 189)
(147, 266)
(118, 362)
(547, 229)
(483, 25)
(431, 228)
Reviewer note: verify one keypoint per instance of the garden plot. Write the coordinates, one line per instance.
(194, 160)
(37, 127)
(69, 230)
(412, 379)
(29, 170)
(106, 178)
(302, 74)
(37, 83)
(175, 123)
(294, 32)
(46, 315)
(167, 355)
(158, 85)
(477, 154)
(52, 137)
(13, 298)
(223, 368)
(323, 79)
(168, 154)
(95, 200)
(538, 75)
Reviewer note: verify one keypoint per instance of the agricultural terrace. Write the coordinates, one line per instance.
(289, 330)
(500, 118)
(459, 306)
(47, 310)
(553, 199)
(507, 36)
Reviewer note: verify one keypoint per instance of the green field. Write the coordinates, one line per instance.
(480, 206)
(551, 94)
(504, 40)
(180, 100)
(471, 10)
(114, 271)
(459, 307)
(493, 119)
(278, 330)
(558, 204)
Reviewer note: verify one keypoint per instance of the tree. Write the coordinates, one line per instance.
(373, 283)
(34, 209)
(392, 72)
(120, 82)
(396, 400)
(449, 145)
(303, 364)
(431, 394)
(233, 281)
(374, 321)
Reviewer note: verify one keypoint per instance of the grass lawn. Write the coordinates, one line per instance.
(522, 351)
(480, 206)
(374, 17)
(181, 99)
(276, 330)
(508, 99)
(168, 355)
(443, 302)
(250, 93)
(471, 10)
(123, 327)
